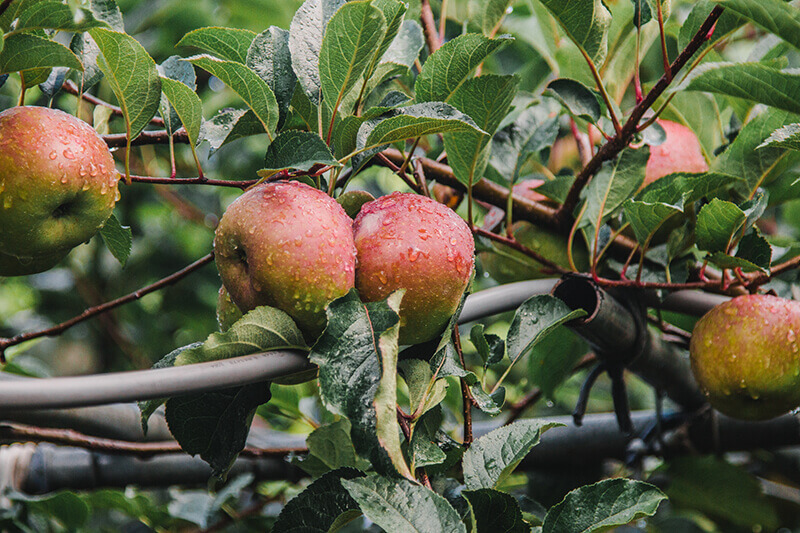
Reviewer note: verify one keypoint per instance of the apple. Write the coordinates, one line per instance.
(227, 311)
(289, 246)
(58, 186)
(507, 265)
(746, 358)
(680, 152)
(351, 201)
(412, 242)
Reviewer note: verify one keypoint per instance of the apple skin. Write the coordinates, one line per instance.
(58, 186)
(289, 246)
(508, 265)
(745, 356)
(227, 311)
(680, 152)
(408, 241)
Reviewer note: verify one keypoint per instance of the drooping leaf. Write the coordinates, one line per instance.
(647, 218)
(423, 391)
(322, 507)
(393, 12)
(248, 85)
(132, 75)
(231, 44)
(305, 41)
(586, 22)
(54, 82)
(187, 105)
(55, 15)
(450, 66)
(24, 51)
(580, 100)
(400, 505)
(495, 511)
(117, 238)
(532, 131)
(229, 125)
(603, 506)
(492, 457)
(406, 47)
(486, 100)
(299, 150)
(775, 16)
(490, 347)
(333, 445)
(553, 358)
(269, 57)
(717, 224)
(348, 46)
(215, 425)
(614, 183)
(751, 81)
(350, 354)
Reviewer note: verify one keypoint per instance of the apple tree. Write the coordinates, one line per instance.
(394, 265)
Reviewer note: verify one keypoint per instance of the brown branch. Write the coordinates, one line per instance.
(70, 437)
(621, 139)
(240, 184)
(466, 394)
(120, 140)
(761, 279)
(516, 245)
(90, 312)
(429, 27)
(70, 87)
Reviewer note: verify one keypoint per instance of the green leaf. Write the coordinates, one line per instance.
(786, 137)
(646, 218)
(586, 22)
(248, 85)
(490, 14)
(534, 320)
(132, 75)
(408, 123)
(55, 15)
(727, 23)
(324, 506)
(228, 126)
(400, 505)
(616, 181)
(717, 224)
(260, 330)
(231, 44)
(67, 508)
(148, 407)
(215, 425)
(176, 69)
(187, 105)
(495, 511)
(393, 11)
(745, 160)
(23, 51)
(775, 16)
(350, 354)
(752, 81)
(299, 150)
(486, 100)
(603, 506)
(532, 131)
(118, 239)
(305, 41)
(406, 47)
(682, 189)
(720, 490)
(755, 249)
(553, 358)
(423, 391)
(451, 65)
(424, 450)
(84, 46)
(493, 457)
(349, 45)
(332, 445)
(579, 100)
(490, 347)
(269, 57)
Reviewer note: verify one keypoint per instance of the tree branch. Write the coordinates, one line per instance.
(90, 312)
(120, 140)
(429, 27)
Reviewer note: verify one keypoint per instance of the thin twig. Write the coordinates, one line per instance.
(119, 140)
(429, 27)
(240, 184)
(90, 312)
(516, 245)
(466, 394)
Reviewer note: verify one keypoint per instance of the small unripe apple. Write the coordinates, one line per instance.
(58, 186)
(680, 152)
(408, 241)
(507, 265)
(289, 246)
(745, 356)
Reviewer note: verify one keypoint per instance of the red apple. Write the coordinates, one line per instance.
(408, 241)
(746, 358)
(680, 152)
(289, 246)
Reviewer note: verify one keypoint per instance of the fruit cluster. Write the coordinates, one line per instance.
(58, 186)
(293, 247)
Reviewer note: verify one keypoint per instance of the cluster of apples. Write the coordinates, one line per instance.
(58, 186)
(293, 247)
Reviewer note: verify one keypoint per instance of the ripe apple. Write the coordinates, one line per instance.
(680, 152)
(58, 186)
(408, 241)
(507, 265)
(289, 246)
(227, 311)
(745, 356)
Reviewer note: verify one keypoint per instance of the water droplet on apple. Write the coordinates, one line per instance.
(413, 254)
(68, 154)
(383, 278)
(53, 154)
